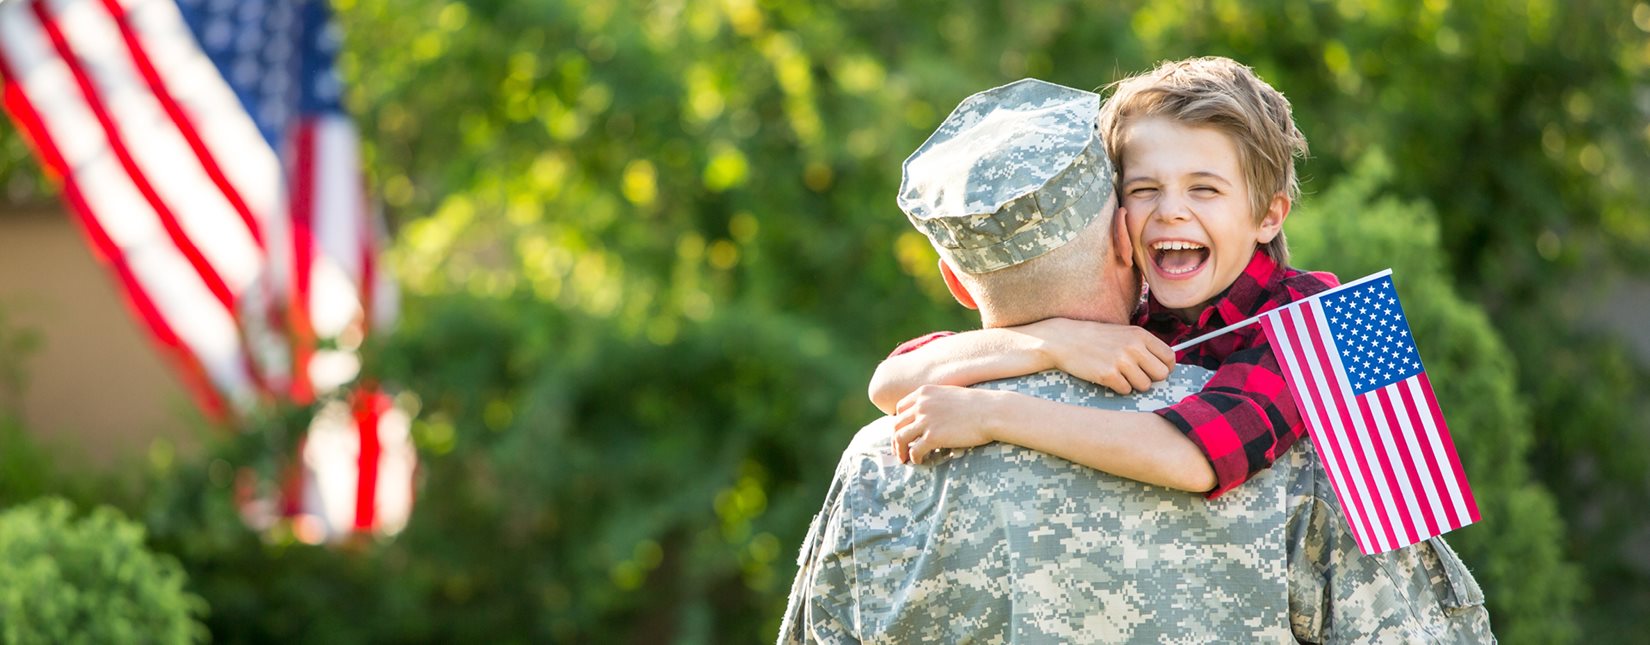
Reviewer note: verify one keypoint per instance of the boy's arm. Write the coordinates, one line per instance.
(956, 359)
(1137, 445)
(1243, 419)
(1122, 358)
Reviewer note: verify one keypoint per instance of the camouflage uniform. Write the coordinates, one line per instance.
(1422, 593)
(1004, 544)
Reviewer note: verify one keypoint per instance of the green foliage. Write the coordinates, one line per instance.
(578, 488)
(88, 580)
(1516, 550)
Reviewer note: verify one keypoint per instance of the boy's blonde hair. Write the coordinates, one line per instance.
(1224, 94)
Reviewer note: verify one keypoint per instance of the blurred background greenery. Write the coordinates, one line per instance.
(650, 255)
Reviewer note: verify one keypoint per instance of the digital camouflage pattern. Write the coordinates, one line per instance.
(1014, 172)
(1001, 544)
(1422, 593)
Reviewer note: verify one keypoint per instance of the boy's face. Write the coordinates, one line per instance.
(1189, 211)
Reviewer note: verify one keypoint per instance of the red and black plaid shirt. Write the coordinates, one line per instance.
(1245, 416)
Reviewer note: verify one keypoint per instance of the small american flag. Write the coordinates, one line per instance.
(203, 148)
(1351, 363)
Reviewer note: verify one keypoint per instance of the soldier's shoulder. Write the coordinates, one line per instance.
(874, 438)
(1055, 385)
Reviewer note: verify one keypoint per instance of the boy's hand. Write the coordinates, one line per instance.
(943, 416)
(1123, 358)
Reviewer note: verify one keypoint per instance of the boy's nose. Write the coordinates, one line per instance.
(1172, 208)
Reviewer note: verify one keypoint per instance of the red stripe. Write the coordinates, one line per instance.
(1437, 475)
(1449, 444)
(186, 126)
(369, 251)
(137, 298)
(1321, 440)
(367, 415)
(302, 180)
(1340, 439)
(208, 274)
(292, 481)
(1343, 413)
(1406, 452)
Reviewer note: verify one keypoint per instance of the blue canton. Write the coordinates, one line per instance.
(1372, 335)
(277, 55)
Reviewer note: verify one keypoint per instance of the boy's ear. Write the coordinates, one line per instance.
(1122, 243)
(1272, 222)
(958, 291)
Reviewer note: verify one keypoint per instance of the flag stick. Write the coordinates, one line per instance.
(1218, 332)
(1252, 320)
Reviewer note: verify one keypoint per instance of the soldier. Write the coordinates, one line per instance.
(999, 543)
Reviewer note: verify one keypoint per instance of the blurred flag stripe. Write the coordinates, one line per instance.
(185, 127)
(181, 310)
(301, 219)
(230, 143)
(368, 412)
(172, 347)
(139, 179)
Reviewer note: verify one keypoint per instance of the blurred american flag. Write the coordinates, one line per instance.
(203, 146)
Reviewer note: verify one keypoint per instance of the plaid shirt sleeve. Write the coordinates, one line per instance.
(912, 345)
(1242, 419)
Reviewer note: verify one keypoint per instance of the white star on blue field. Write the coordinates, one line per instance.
(1372, 335)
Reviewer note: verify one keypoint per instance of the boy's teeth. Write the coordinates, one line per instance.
(1176, 257)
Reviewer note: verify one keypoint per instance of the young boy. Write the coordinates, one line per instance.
(1205, 151)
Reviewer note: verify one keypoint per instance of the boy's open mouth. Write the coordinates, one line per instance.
(1178, 257)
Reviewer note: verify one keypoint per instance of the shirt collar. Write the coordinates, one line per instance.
(1242, 299)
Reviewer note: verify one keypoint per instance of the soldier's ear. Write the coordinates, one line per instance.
(958, 291)
(1122, 243)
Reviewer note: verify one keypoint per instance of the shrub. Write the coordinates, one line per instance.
(88, 580)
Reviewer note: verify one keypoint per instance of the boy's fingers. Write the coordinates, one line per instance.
(1155, 369)
(903, 438)
(1137, 378)
(1161, 350)
(919, 450)
(1116, 383)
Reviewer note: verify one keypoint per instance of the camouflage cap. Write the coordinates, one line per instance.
(1013, 173)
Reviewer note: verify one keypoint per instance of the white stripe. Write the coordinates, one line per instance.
(1362, 432)
(1445, 467)
(396, 464)
(1410, 502)
(1431, 499)
(340, 221)
(332, 450)
(155, 145)
(339, 226)
(1308, 405)
(165, 276)
(1323, 392)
